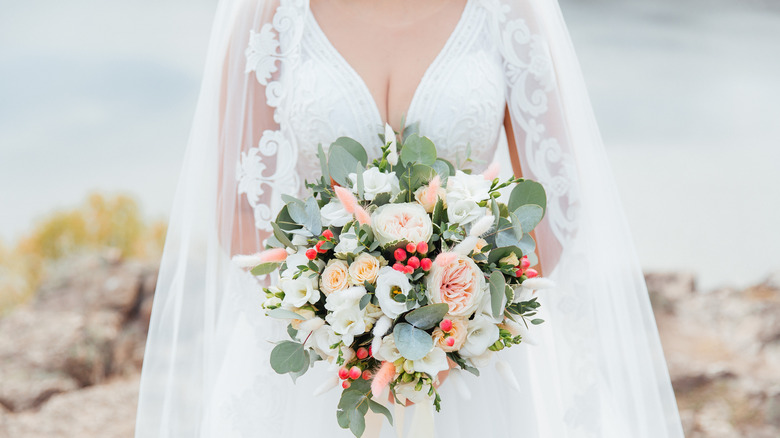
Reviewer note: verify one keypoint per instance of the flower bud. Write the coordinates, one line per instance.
(406, 378)
(408, 269)
(408, 366)
(343, 373)
(345, 384)
(531, 273)
(426, 264)
(422, 247)
(311, 253)
(327, 234)
(399, 267)
(524, 263)
(399, 254)
(362, 353)
(446, 325)
(367, 375)
(410, 247)
(414, 262)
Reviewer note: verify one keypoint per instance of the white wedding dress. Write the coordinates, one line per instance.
(276, 89)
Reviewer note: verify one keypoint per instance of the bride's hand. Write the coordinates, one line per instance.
(441, 377)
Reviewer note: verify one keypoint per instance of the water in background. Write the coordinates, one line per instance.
(99, 96)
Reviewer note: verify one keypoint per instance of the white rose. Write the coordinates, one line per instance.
(463, 186)
(482, 333)
(376, 182)
(299, 291)
(390, 283)
(407, 391)
(347, 322)
(334, 215)
(348, 243)
(433, 362)
(464, 211)
(388, 351)
(408, 222)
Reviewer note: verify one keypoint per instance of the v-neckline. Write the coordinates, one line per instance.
(362, 83)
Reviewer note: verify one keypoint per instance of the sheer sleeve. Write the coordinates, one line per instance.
(236, 165)
(599, 364)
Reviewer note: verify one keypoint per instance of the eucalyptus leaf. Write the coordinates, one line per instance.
(354, 148)
(380, 409)
(517, 226)
(497, 254)
(291, 200)
(340, 164)
(529, 216)
(527, 245)
(313, 221)
(497, 293)
(507, 237)
(444, 168)
(264, 268)
(342, 417)
(357, 423)
(427, 316)
(364, 300)
(412, 343)
(283, 314)
(360, 184)
(527, 192)
(419, 150)
(281, 236)
(323, 163)
(285, 221)
(288, 357)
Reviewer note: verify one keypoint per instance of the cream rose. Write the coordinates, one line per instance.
(364, 268)
(407, 222)
(457, 334)
(335, 277)
(422, 198)
(460, 284)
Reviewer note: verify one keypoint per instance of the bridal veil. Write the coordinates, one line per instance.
(597, 369)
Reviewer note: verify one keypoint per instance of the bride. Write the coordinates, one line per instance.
(486, 80)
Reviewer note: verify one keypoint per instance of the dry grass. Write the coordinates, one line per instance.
(101, 224)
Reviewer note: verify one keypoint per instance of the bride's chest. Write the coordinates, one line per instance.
(458, 103)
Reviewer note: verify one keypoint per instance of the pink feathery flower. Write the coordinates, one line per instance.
(444, 259)
(362, 215)
(383, 378)
(492, 171)
(276, 255)
(433, 190)
(347, 199)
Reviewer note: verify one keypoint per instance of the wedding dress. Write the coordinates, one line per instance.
(274, 89)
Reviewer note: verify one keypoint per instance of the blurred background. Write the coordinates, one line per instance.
(96, 99)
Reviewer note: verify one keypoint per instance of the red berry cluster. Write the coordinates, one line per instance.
(348, 375)
(413, 262)
(446, 326)
(525, 269)
(326, 236)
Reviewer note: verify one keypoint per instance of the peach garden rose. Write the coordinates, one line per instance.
(407, 222)
(460, 284)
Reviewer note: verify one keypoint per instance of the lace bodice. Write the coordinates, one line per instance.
(458, 102)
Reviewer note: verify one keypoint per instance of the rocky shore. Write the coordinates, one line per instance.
(70, 359)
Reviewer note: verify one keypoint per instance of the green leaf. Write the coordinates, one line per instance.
(323, 163)
(340, 164)
(380, 409)
(412, 128)
(313, 220)
(444, 168)
(342, 417)
(439, 213)
(382, 199)
(281, 236)
(527, 245)
(412, 342)
(264, 268)
(497, 254)
(357, 423)
(517, 226)
(283, 314)
(527, 192)
(537, 321)
(418, 150)
(364, 300)
(529, 216)
(427, 316)
(291, 200)
(285, 221)
(354, 148)
(288, 357)
(360, 186)
(497, 293)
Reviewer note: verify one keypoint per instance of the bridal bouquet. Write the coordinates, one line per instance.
(398, 269)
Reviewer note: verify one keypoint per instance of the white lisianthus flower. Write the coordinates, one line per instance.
(482, 333)
(463, 186)
(348, 243)
(433, 362)
(388, 351)
(345, 299)
(376, 182)
(407, 391)
(464, 211)
(373, 313)
(333, 214)
(321, 340)
(525, 291)
(407, 222)
(347, 322)
(300, 291)
(392, 156)
(486, 308)
(298, 259)
(390, 283)
(482, 360)
(272, 303)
